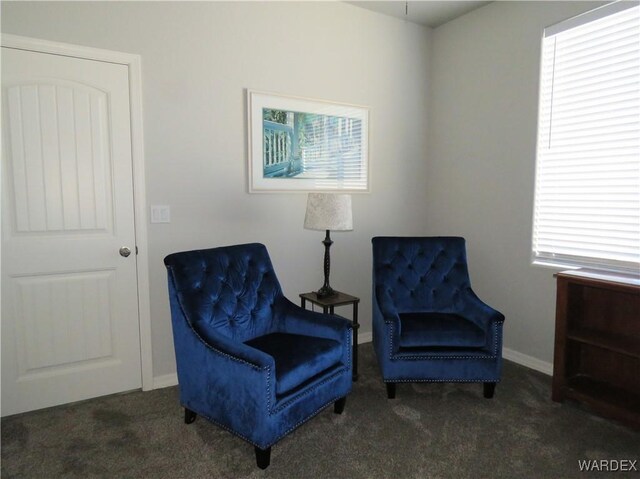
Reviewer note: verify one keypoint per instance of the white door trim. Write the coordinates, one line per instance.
(132, 62)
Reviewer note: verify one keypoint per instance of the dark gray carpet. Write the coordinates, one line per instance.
(429, 431)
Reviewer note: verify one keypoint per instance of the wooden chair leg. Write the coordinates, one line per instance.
(189, 416)
(338, 406)
(391, 390)
(488, 389)
(263, 457)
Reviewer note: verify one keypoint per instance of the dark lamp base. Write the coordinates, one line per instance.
(326, 292)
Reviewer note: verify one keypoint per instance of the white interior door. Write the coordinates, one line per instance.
(70, 326)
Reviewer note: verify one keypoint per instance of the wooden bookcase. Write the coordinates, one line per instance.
(597, 344)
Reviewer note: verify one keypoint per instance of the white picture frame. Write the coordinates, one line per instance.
(303, 144)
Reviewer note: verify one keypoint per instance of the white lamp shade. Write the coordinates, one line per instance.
(327, 211)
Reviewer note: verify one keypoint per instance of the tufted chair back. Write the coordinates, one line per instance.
(413, 274)
(228, 291)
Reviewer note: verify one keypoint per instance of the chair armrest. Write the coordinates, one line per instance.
(236, 350)
(473, 308)
(385, 322)
(385, 307)
(292, 318)
(217, 343)
(230, 383)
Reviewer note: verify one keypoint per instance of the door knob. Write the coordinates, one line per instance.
(124, 251)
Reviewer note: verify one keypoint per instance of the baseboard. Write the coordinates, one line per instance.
(165, 381)
(528, 361)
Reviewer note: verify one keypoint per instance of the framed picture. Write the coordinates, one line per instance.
(300, 144)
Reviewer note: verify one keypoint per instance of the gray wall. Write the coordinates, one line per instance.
(197, 59)
(481, 159)
(474, 177)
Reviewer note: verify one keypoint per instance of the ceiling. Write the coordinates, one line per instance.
(425, 12)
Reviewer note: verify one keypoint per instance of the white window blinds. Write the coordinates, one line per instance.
(587, 195)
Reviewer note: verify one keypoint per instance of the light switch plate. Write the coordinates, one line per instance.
(160, 214)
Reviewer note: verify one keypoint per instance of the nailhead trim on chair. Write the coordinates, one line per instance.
(324, 381)
(295, 426)
(213, 421)
(307, 391)
(268, 369)
(426, 357)
(302, 421)
(271, 412)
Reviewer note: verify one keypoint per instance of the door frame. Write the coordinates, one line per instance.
(133, 64)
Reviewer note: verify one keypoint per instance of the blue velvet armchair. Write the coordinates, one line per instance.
(428, 324)
(248, 359)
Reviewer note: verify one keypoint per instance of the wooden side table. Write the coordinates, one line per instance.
(328, 305)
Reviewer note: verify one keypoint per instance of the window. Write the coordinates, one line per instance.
(587, 194)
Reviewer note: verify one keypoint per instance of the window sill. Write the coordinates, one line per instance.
(627, 277)
(614, 277)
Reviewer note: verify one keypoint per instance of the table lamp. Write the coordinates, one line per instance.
(328, 212)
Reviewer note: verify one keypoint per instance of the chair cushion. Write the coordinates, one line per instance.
(439, 330)
(298, 358)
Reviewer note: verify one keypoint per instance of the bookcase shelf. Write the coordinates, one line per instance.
(597, 344)
(612, 342)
